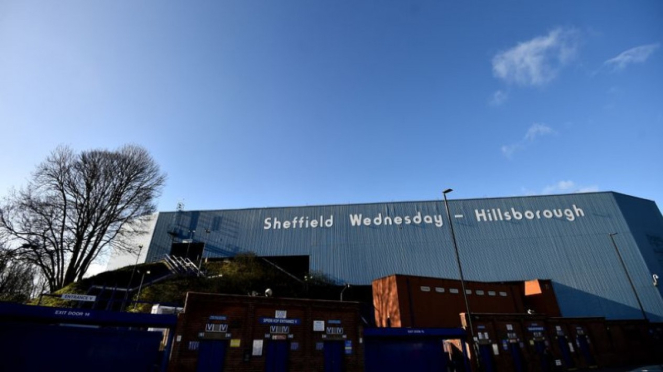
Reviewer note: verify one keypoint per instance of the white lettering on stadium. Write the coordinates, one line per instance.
(496, 214)
(379, 220)
(299, 222)
(482, 215)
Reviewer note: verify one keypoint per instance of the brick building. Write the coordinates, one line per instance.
(245, 333)
(516, 326)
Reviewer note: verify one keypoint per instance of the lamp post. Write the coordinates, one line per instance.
(612, 238)
(346, 286)
(188, 246)
(460, 267)
(140, 287)
(131, 278)
(200, 264)
(140, 249)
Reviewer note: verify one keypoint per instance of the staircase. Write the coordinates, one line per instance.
(182, 266)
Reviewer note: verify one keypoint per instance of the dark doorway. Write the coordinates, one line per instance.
(486, 355)
(334, 356)
(211, 356)
(193, 250)
(517, 357)
(406, 355)
(563, 344)
(277, 356)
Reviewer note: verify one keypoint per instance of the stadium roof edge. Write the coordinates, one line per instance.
(410, 201)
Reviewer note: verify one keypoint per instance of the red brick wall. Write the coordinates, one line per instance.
(412, 301)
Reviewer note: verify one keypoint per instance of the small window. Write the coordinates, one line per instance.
(492, 293)
(503, 294)
(468, 291)
(439, 289)
(425, 288)
(453, 290)
(480, 292)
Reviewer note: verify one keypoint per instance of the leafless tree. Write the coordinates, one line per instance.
(19, 281)
(76, 205)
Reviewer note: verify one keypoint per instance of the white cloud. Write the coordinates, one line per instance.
(634, 55)
(536, 130)
(508, 150)
(536, 62)
(498, 98)
(568, 187)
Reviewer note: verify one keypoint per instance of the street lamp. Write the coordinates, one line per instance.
(131, 278)
(200, 264)
(140, 249)
(460, 268)
(188, 246)
(612, 238)
(346, 286)
(140, 287)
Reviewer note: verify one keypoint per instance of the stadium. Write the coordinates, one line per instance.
(602, 251)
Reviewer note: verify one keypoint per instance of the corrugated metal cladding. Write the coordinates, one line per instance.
(562, 237)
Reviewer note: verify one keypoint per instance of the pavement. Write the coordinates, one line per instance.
(636, 368)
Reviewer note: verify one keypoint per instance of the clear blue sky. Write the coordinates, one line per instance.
(252, 103)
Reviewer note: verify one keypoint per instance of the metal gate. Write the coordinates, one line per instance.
(409, 349)
(277, 356)
(334, 356)
(36, 338)
(211, 356)
(35, 347)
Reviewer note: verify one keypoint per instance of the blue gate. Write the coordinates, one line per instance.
(36, 338)
(334, 356)
(211, 356)
(35, 347)
(408, 349)
(277, 356)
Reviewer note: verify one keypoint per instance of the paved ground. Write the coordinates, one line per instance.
(646, 368)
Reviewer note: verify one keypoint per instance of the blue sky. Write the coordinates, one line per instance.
(282, 103)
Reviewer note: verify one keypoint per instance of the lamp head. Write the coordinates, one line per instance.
(447, 191)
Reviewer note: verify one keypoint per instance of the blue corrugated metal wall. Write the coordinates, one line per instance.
(562, 237)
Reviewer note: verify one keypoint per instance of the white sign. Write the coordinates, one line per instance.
(78, 297)
(257, 348)
(318, 325)
(283, 330)
(212, 327)
(281, 314)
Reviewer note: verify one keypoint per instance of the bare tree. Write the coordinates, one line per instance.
(18, 280)
(75, 205)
